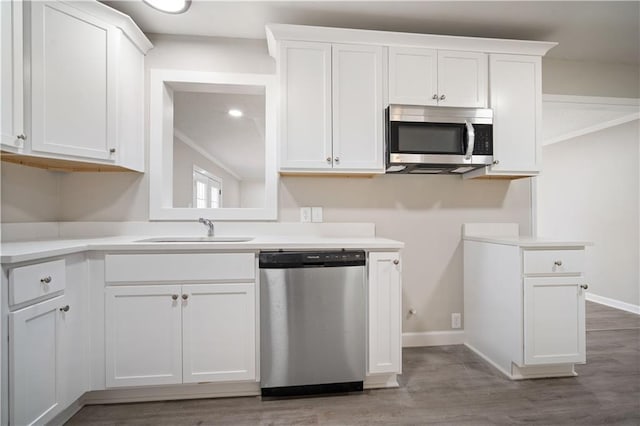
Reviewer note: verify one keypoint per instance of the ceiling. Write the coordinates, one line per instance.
(600, 31)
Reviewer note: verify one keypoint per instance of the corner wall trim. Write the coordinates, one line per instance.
(613, 303)
(432, 338)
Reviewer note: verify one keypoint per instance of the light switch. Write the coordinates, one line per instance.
(305, 214)
(316, 214)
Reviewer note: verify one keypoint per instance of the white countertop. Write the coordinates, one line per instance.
(526, 242)
(23, 251)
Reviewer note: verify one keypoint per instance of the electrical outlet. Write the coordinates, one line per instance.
(305, 214)
(316, 214)
(456, 320)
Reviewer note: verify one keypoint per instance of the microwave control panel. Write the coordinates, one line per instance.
(484, 139)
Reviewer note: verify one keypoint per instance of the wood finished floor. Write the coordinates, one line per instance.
(440, 385)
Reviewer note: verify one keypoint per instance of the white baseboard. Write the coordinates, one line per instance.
(613, 303)
(432, 338)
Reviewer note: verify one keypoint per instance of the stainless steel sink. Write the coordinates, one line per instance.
(196, 240)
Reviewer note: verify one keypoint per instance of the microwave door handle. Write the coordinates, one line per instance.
(471, 133)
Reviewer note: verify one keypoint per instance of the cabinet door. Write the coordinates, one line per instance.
(462, 79)
(143, 335)
(385, 334)
(74, 340)
(554, 324)
(11, 84)
(413, 76)
(358, 108)
(219, 332)
(33, 360)
(515, 97)
(73, 71)
(305, 126)
(130, 149)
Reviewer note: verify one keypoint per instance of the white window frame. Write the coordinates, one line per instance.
(212, 181)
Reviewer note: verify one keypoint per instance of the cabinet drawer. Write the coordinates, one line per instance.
(179, 267)
(553, 261)
(35, 281)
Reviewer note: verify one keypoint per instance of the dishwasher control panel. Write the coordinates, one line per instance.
(292, 259)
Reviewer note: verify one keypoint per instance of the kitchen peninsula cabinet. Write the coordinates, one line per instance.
(524, 301)
(437, 77)
(331, 107)
(75, 96)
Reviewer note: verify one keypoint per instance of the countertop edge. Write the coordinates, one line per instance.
(527, 242)
(130, 245)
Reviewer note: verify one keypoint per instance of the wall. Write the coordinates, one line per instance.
(582, 198)
(184, 158)
(28, 194)
(426, 213)
(563, 77)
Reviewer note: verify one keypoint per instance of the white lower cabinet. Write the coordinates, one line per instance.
(384, 314)
(47, 350)
(554, 323)
(169, 334)
(143, 335)
(34, 358)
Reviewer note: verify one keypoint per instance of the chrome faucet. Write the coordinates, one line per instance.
(209, 224)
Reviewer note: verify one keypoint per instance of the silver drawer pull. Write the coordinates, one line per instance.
(65, 308)
(558, 263)
(46, 280)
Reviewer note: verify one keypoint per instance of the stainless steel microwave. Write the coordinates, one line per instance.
(438, 140)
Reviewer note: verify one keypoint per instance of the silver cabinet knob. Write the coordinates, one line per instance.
(174, 296)
(45, 280)
(558, 263)
(495, 162)
(396, 261)
(185, 296)
(584, 286)
(112, 151)
(435, 96)
(443, 97)
(65, 308)
(329, 160)
(22, 136)
(337, 159)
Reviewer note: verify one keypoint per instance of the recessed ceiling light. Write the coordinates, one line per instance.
(169, 6)
(235, 113)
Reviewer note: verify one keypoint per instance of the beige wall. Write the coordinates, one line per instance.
(426, 213)
(28, 194)
(562, 77)
(590, 190)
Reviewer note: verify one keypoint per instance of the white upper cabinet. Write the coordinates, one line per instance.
(516, 100)
(305, 122)
(11, 81)
(357, 107)
(331, 107)
(82, 66)
(437, 77)
(74, 89)
(462, 79)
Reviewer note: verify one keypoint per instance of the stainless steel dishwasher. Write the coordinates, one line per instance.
(312, 322)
